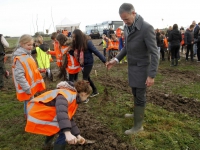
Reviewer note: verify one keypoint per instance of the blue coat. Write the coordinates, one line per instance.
(88, 57)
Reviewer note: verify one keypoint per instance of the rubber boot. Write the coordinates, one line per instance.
(138, 120)
(48, 143)
(172, 63)
(176, 62)
(59, 147)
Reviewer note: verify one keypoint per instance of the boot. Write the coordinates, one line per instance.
(138, 119)
(176, 62)
(48, 143)
(59, 147)
(172, 63)
(128, 115)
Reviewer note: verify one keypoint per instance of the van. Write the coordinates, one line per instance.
(94, 34)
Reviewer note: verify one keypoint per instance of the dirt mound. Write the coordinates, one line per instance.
(170, 102)
(182, 76)
(94, 130)
(175, 103)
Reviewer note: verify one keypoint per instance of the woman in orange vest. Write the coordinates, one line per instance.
(52, 112)
(27, 78)
(70, 63)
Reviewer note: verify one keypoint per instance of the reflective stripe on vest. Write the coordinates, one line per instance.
(42, 119)
(32, 76)
(73, 66)
(64, 50)
(110, 45)
(115, 45)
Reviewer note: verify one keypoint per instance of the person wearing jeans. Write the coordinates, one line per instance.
(189, 41)
(83, 50)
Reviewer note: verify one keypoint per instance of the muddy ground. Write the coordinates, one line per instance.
(107, 140)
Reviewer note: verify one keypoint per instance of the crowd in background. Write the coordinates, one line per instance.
(180, 42)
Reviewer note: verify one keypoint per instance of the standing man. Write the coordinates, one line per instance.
(189, 42)
(142, 54)
(3, 44)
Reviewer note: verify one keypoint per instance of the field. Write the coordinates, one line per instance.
(172, 118)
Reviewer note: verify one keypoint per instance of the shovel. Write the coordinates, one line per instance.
(86, 141)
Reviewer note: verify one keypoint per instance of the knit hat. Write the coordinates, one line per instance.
(65, 84)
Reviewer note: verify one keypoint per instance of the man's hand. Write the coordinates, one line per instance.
(111, 63)
(149, 81)
(71, 139)
(80, 140)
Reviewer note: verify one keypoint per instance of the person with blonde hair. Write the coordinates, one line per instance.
(43, 58)
(26, 76)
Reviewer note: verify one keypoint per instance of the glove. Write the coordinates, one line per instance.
(71, 139)
(80, 140)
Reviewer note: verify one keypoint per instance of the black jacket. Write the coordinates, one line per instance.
(158, 39)
(175, 37)
(196, 31)
(188, 38)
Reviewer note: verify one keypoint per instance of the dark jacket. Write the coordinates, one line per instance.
(158, 39)
(65, 124)
(188, 37)
(168, 33)
(175, 37)
(196, 31)
(88, 57)
(142, 53)
(44, 47)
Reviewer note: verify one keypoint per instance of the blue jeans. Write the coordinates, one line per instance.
(158, 52)
(195, 49)
(61, 139)
(25, 105)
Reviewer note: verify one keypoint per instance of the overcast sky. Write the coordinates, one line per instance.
(20, 16)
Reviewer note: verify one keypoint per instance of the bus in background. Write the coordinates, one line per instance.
(106, 25)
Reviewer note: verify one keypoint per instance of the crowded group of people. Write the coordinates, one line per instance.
(52, 112)
(176, 42)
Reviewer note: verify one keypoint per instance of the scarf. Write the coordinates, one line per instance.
(79, 55)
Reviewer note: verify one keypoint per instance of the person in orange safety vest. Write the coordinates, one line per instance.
(57, 52)
(26, 76)
(118, 32)
(71, 64)
(52, 112)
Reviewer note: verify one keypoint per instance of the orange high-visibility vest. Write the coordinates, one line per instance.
(118, 32)
(42, 119)
(182, 41)
(115, 44)
(73, 66)
(110, 45)
(32, 75)
(165, 42)
(59, 55)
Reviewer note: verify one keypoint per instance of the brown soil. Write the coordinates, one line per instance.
(107, 140)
